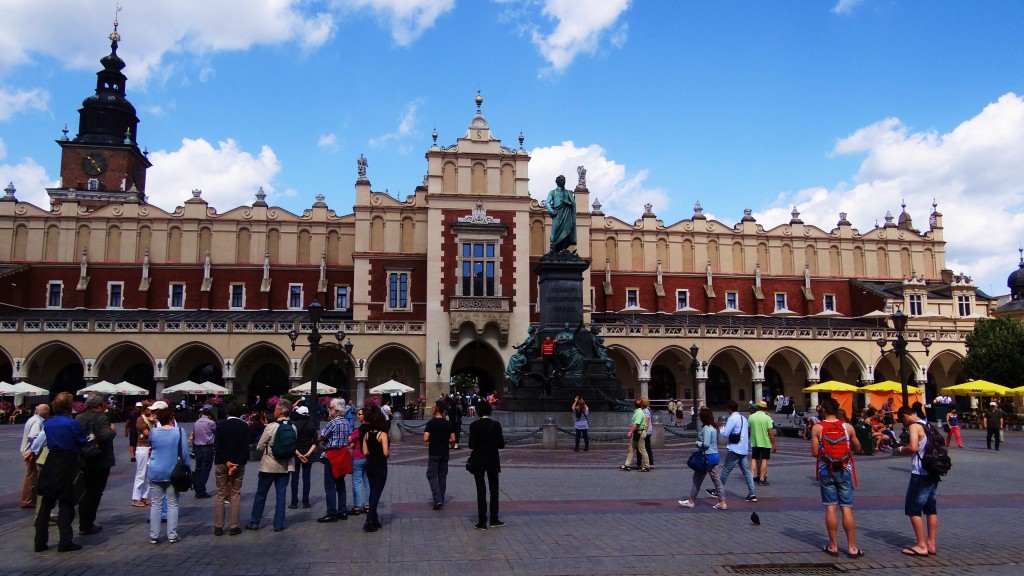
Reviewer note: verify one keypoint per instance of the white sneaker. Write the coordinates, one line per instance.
(686, 503)
(721, 506)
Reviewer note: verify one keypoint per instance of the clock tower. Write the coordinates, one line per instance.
(103, 163)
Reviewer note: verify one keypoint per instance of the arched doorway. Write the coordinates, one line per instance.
(773, 384)
(718, 387)
(663, 383)
(479, 361)
(268, 380)
(71, 378)
(57, 367)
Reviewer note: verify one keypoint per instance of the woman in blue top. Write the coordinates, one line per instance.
(167, 443)
(707, 439)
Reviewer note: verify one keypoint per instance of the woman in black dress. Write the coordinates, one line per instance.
(377, 449)
(485, 439)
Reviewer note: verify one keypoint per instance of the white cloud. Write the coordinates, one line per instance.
(974, 172)
(228, 176)
(406, 125)
(621, 193)
(29, 179)
(329, 141)
(407, 19)
(845, 6)
(581, 26)
(158, 32)
(13, 102)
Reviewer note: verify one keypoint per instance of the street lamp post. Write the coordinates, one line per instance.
(899, 346)
(316, 311)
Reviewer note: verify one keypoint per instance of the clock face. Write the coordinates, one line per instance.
(94, 163)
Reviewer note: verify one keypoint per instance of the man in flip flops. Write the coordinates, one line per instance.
(836, 478)
(920, 503)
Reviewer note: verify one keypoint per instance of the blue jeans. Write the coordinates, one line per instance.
(204, 464)
(836, 487)
(335, 491)
(163, 495)
(921, 496)
(263, 483)
(360, 484)
(305, 470)
(731, 460)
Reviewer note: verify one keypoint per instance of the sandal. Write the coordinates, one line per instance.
(648, 469)
(624, 468)
(138, 503)
(366, 509)
(356, 511)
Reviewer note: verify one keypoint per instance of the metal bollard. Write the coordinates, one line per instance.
(395, 433)
(550, 437)
(657, 432)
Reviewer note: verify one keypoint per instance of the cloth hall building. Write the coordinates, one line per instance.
(102, 285)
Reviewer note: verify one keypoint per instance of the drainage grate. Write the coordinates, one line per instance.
(792, 568)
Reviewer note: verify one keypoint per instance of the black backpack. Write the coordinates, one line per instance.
(936, 461)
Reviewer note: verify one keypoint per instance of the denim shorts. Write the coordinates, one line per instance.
(836, 488)
(921, 496)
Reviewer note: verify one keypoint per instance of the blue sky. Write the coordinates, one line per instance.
(826, 105)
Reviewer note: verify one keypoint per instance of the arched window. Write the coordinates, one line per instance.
(20, 242)
(408, 234)
(302, 249)
(52, 244)
(174, 244)
(508, 180)
(143, 242)
(243, 241)
(205, 242)
(611, 250)
(113, 248)
(449, 175)
(377, 234)
(636, 254)
(274, 245)
(478, 177)
(333, 247)
(537, 238)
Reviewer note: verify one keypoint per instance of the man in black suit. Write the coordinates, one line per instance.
(230, 452)
(485, 439)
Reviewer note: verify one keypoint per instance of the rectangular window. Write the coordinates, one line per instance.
(237, 296)
(963, 304)
(682, 299)
(398, 290)
(177, 297)
(780, 301)
(916, 304)
(54, 291)
(341, 297)
(295, 296)
(114, 294)
(732, 300)
(632, 297)
(478, 269)
(830, 302)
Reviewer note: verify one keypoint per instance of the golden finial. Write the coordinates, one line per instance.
(114, 36)
(479, 101)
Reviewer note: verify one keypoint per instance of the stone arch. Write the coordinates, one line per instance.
(611, 250)
(786, 371)
(946, 368)
(261, 368)
(482, 363)
(333, 248)
(688, 255)
(537, 237)
(184, 360)
(661, 250)
(243, 244)
(205, 243)
(842, 365)
(408, 235)
(730, 374)
(905, 267)
(787, 259)
(811, 258)
(887, 368)
(675, 360)
(126, 361)
(20, 248)
(508, 180)
(173, 245)
(763, 259)
(858, 262)
(303, 246)
(449, 178)
(143, 241)
(713, 256)
(737, 257)
(478, 178)
(636, 254)
(835, 262)
(51, 244)
(55, 366)
(112, 253)
(882, 262)
(398, 362)
(82, 235)
(377, 227)
(274, 245)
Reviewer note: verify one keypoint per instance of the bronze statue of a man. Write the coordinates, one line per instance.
(561, 204)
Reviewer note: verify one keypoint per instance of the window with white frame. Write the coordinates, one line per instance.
(54, 294)
(915, 304)
(115, 294)
(341, 297)
(237, 296)
(398, 290)
(176, 298)
(632, 298)
(682, 299)
(732, 300)
(478, 268)
(295, 296)
(963, 304)
(780, 301)
(829, 304)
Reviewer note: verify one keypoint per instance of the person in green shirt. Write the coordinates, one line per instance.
(636, 433)
(762, 441)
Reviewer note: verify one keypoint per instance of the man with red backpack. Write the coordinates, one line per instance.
(833, 443)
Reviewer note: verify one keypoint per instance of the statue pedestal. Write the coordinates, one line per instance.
(543, 387)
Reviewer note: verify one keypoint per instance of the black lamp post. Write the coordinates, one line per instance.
(899, 346)
(316, 311)
(438, 366)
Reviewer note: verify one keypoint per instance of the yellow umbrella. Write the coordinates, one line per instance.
(831, 386)
(1019, 390)
(978, 388)
(889, 386)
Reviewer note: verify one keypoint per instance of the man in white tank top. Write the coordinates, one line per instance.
(920, 503)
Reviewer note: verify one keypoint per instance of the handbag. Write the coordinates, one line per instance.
(698, 461)
(735, 437)
(181, 476)
(90, 450)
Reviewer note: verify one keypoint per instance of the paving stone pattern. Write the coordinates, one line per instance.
(567, 513)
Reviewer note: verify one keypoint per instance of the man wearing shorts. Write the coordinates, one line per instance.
(762, 441)
(836, 483)
(921, 490)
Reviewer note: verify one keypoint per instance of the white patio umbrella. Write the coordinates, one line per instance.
(26, 389)
(390, 387)
(129, 389)
(307, 388)
(101, 387)
(215, 389)
(186, 387)
(828, 314)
